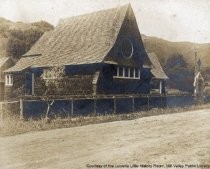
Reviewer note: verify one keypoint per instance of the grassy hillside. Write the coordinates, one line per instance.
(165, 49)
(16, 38)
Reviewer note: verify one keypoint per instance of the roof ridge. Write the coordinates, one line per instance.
(118, 30)
(63, 20)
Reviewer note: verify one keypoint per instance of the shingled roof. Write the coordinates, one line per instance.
(3, 60)
(157, 70)
(83, 39)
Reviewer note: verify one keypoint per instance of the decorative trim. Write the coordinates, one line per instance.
(119, 77)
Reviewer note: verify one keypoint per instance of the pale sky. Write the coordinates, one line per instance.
(174, 20)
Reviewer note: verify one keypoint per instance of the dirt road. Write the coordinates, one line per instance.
(180, 139)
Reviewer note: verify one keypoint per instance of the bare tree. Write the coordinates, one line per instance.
(51, 78)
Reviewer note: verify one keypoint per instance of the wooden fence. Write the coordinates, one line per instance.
(101, 105)
(10, 108)
(93, 105)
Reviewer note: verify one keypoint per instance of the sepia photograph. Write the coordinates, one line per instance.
(115, 84)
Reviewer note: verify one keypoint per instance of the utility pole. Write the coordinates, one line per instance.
(195, 85)
(155, 44)
(195, 71)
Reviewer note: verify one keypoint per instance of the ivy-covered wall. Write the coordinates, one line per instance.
(68, 85)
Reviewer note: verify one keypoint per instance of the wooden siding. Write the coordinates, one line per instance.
(70, 85)
(18, 87)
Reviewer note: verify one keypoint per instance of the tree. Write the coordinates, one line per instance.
(20, 42)
(42, 25)
(181, 75)
(50, 77)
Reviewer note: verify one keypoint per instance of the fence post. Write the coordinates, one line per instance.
(21, 109)
(133, 104)
(94, 106)
(72, 107)
(114, 105)
(175, 101)
(1, 112)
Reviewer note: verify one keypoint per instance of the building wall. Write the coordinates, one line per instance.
(9, 63)
(129, 30)
(77, 80)
(78, 83)
(1, 91)
(69, 85)
(108, 84)
(18, 87)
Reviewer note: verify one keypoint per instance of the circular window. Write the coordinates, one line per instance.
(127, 48)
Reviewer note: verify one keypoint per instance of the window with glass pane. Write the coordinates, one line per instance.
(126, 72)
(131, 73)
(120, 71)
(8, 80)
(136, 73)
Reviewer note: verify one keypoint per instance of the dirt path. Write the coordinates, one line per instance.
(182, 138)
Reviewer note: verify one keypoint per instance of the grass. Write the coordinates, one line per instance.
(13, 125)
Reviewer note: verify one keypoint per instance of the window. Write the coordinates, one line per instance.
(8, 80)
(127, 73)
(131, 72)
(126, 48)
(120, 71)
(136, 73)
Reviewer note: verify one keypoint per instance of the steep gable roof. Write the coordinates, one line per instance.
(157, 70)
(83, 39)
(3, 60)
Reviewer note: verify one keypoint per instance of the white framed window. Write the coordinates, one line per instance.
(127, 73)
(8, 79)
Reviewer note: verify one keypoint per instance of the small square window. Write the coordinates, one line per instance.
(8, 80)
